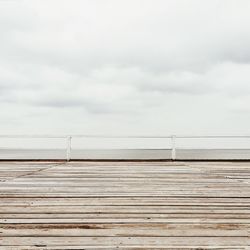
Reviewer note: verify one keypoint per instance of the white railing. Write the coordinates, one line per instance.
(173, 138)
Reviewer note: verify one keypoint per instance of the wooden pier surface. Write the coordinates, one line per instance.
(124, 205)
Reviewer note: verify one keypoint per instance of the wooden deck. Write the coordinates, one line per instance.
(125, 205)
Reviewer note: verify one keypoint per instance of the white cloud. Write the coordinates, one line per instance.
(140, 66)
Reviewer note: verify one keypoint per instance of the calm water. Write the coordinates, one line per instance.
(125, 154)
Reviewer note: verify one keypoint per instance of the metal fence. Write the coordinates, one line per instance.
(176, 150)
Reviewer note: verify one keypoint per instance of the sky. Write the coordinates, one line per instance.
(147, 67)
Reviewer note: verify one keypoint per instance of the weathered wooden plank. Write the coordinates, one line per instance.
(125, 230)
(128, 219)
(147, 216)
(126, 241)
(151, 201)
(124, 209)
(135, 184)
(120, 194)
(149, 247)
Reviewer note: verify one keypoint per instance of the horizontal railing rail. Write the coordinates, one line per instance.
(119, 136)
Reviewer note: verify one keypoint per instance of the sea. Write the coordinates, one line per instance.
(125, 154)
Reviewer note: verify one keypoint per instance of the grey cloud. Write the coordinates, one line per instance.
(154, 60)
(166, 42)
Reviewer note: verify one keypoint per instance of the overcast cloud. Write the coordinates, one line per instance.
(125, 66)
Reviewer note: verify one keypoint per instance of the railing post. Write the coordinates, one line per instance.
(69, 138)
(173, 149)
